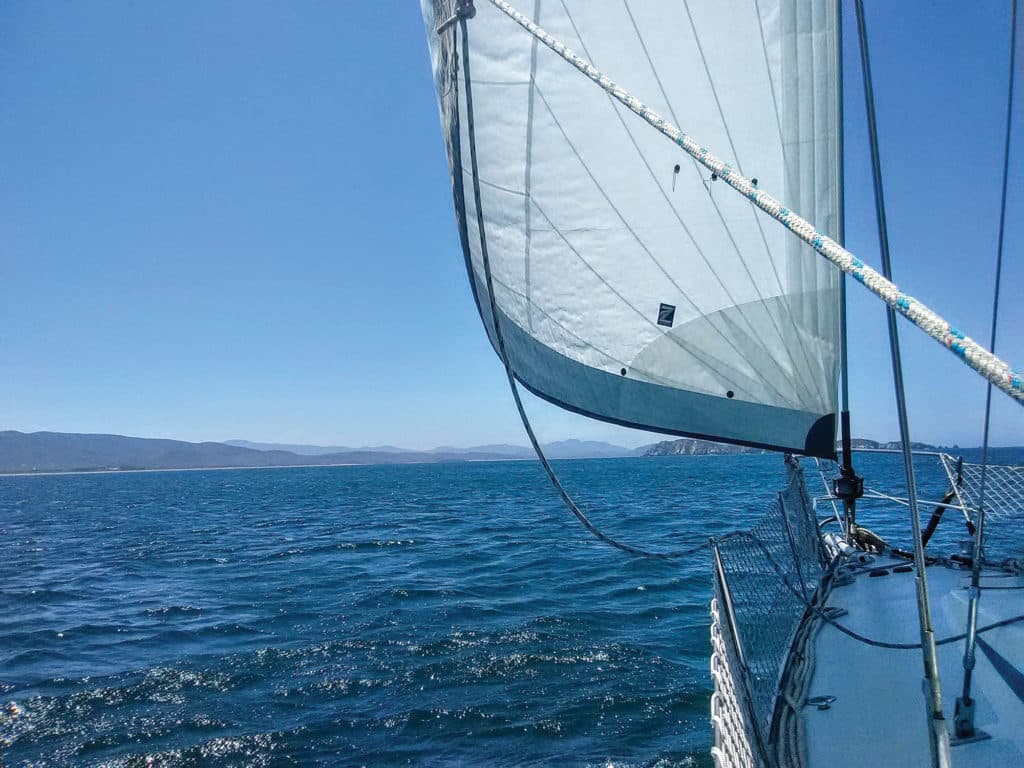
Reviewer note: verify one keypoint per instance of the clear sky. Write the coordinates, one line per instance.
(234, 219)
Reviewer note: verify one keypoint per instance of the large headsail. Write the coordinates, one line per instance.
(630, 286)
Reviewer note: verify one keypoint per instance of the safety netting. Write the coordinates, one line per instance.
(764, 580)
(999, 488)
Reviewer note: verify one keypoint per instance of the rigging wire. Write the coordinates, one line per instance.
(500, 339)
(965, 727)
(845, 428)
(938, 737)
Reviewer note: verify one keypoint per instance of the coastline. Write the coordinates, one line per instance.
(52, 472)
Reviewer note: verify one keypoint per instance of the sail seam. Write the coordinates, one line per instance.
(708, 361)
(973, 354)
(668, 202)
(645, 249)
(757, 219)
(700, 251)
(529, 167)
(796, 378)
(771, 83)
(725, 127)
(652, 377)
(784, 400)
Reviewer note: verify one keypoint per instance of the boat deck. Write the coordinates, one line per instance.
(878, 716)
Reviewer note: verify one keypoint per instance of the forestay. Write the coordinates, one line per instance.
(630, 287)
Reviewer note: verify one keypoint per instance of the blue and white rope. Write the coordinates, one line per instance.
(973, 354)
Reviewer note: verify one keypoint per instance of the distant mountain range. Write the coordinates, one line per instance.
(66, 452)
(315, 450)
(561, 449)
(60, 452)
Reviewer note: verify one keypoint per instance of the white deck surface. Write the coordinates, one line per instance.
(878, 718)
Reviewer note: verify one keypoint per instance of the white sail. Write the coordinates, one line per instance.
(628, 290)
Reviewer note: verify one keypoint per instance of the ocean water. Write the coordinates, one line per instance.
(449, 614)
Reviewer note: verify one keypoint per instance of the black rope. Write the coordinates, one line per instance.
(912, 646)
(500, 339)
(936, 518)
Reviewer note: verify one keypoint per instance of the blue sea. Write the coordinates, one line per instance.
(442, 614)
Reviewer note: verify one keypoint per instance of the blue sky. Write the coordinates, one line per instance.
(234, 219)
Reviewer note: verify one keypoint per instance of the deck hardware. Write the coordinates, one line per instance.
(821, 702)
(848, 486)
(979, 735)
(964, 730)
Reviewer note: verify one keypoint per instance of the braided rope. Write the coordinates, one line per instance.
(973, 354)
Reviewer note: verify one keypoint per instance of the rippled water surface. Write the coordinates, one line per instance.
(429, 614)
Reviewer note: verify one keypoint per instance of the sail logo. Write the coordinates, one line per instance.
(666, 315)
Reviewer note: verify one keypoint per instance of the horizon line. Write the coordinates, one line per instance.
(340, 448)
